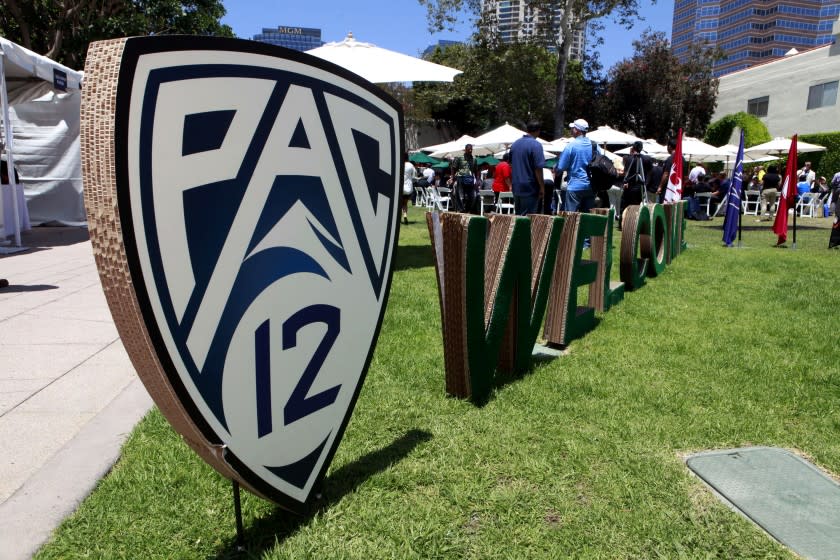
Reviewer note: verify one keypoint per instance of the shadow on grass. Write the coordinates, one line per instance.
(768, 225)
(413, 256)
(264, 533)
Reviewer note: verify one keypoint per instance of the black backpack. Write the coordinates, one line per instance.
(634, 175)
(601, 171)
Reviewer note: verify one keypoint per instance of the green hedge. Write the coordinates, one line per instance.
(720, 131)
(825, 163)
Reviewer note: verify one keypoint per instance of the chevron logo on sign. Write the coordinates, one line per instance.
(259, 204)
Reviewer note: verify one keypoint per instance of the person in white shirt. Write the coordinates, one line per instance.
(695, 174)
(809, 173)
(429, 175)
(408, 186)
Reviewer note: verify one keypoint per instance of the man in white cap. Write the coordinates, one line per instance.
(574, 161)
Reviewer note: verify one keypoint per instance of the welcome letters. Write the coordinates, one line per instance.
(499, 276)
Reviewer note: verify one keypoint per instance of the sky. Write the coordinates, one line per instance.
(400, 25)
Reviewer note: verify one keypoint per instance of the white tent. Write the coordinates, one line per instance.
(41, 133)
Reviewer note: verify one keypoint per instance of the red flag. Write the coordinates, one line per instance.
(673, 192)
(787, 198)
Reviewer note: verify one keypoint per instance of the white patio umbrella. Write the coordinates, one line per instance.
(462, 141)
(780, 146)
(456, 148)
(617, 160)
(694, 149)
(752, 158)
(546, 153)
(650, 147)
(609, 135)
(502, 137)
(557, 145)
(380, 65)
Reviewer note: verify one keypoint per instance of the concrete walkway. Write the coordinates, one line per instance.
(68, 394)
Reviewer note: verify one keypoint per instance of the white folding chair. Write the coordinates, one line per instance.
(805, 205)
(441, 198)
(505, 203)
(751, 202)
(704, 199)
(614, 194)
(488, 200)
(431, 195)
(420, 196)
(720, 209)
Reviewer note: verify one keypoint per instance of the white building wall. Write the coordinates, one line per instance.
(786, 82)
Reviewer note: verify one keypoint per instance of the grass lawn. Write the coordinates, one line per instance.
(581, 458)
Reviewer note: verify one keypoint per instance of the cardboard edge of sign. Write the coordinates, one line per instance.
(98, 150)
(103, 168)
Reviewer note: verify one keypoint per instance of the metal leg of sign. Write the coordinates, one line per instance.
(237, 510)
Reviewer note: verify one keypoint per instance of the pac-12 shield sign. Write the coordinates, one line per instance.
(256, 196)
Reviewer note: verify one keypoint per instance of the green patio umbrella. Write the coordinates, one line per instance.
(441, 165)
(422, 157)
(490, 160)
(550, 163)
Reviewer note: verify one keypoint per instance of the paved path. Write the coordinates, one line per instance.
(68, 393)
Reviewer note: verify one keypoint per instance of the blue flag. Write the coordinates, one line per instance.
(733, 198)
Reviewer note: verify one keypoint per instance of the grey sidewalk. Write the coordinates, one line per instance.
(68, 393)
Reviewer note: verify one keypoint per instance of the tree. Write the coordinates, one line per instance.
(654, 94)
(488, 93)
(720, 131)
(556, 22)
(62, 29)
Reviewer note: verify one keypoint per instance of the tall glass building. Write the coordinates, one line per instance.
(751, 31)
(516, 20)
(297, 38)
(441, 44)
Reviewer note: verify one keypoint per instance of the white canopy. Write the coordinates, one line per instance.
(380, 65)
(24, 77)
(780, 146)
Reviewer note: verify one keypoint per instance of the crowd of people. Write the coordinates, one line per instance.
(767, 183)
(568, 186)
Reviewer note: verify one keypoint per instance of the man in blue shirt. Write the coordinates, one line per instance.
(803, 186)
(574, 160)
(526, 162)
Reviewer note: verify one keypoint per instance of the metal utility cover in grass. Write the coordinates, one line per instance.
(784, 494)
